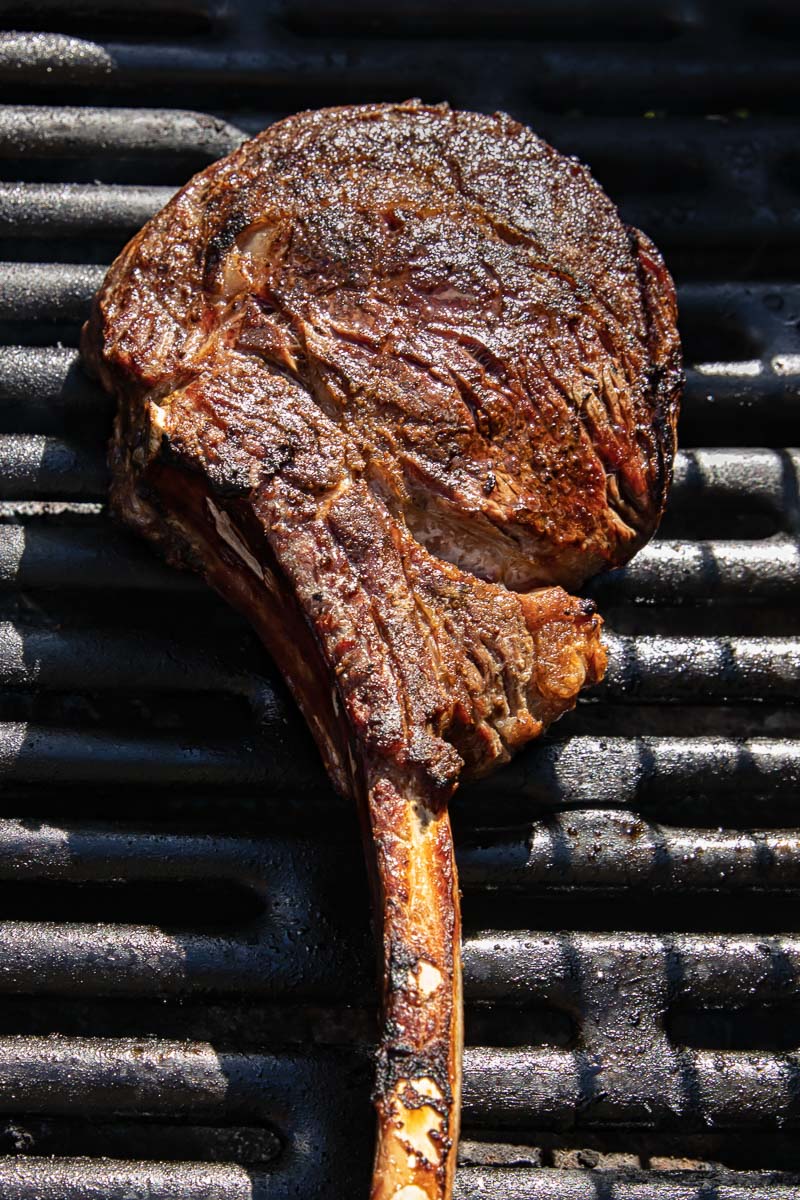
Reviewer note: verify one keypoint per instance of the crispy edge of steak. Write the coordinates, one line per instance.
(395, 738)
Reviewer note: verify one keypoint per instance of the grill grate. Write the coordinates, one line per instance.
(186, 980)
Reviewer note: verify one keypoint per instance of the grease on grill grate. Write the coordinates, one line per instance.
(186, 970)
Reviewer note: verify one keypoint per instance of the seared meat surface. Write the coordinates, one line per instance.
(390, 377)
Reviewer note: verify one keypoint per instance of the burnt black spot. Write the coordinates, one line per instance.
(232, 483)
(393, 1063)
(221, 242)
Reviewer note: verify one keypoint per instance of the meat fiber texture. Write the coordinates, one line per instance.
(391, 377)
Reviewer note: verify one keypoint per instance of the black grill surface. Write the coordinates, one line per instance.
(187, 986)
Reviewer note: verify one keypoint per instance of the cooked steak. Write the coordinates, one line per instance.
(390, 377)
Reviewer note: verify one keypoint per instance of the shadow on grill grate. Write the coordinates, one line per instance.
(186, 969)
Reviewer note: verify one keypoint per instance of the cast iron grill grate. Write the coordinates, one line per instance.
(186, 982)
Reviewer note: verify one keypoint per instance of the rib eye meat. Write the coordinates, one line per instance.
(390, 377)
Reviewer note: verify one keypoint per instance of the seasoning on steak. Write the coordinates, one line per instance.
(390, 377)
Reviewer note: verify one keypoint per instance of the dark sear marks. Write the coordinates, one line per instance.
(390, 377)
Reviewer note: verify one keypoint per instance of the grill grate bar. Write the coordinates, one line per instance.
(47, 291)
(677, 773)
(48, 958)
(76, 210)
(43, 388)
(520, 1088)
(36, 467)
(84, 853)
(33, 131)
(94, 960)
(767, 477)
(683, 669)
(698, 76)
(46, 658)
(642, 669)
(680, 572)
(680, 774)
(59, 757)
(605, 849)
(93, 556)
(28, 1178)
(546, 1185)
(475, 1183)
(691, 1089)
(128, 1075)
(727, 402)
(583, 848)
(23, 1178)
(707, 969)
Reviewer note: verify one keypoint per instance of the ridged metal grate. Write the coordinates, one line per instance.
(186, 969)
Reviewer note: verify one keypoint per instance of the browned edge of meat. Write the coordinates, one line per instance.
(385, 413)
